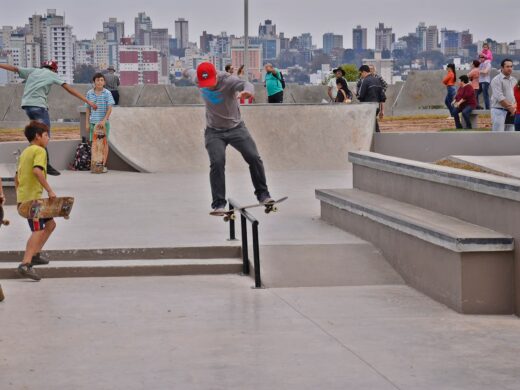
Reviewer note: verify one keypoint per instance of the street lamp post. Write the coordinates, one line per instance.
(246, 39)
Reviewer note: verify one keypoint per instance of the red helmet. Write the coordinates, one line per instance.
(51, 64)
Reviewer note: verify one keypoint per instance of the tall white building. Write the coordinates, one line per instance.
(60, 47)
(182, 33)
(384, 37)
(100, 51)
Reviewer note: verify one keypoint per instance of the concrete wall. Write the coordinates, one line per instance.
(430, 147)
(289, 137)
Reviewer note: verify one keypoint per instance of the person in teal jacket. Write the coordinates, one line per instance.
(273, 84)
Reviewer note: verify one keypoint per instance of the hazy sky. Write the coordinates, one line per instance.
(499, 19)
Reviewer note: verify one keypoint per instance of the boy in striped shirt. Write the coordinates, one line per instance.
(104, 101)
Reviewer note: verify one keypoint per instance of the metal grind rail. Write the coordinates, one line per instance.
(246, 216)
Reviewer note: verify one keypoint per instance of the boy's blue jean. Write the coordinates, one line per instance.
(450, 95)
(39, 114)
(517, 122)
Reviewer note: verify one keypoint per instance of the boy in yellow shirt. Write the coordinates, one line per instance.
(30, 180)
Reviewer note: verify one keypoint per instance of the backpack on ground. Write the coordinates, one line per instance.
(82, 158)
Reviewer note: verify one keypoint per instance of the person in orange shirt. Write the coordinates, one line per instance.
(449, 81)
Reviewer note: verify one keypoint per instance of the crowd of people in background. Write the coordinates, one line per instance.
(503, 101)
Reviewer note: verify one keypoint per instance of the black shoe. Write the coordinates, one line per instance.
(27, 271)
(51, 171)
(38, 259)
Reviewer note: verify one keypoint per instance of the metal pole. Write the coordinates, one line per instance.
(245, 249)
(256, 254)
(232, 236)
(246, 39)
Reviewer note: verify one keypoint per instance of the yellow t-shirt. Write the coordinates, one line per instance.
(29, 188)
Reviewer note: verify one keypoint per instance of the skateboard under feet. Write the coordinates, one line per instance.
(229, 215)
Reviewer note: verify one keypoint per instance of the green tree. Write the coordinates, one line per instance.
(351, 72)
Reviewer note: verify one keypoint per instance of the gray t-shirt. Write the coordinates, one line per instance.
(111, 82)
(502, 88)
(222, 105)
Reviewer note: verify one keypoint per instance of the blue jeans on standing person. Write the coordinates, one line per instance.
(517, 122)
(484, 89)
(39, 114)
(450, 95)
(466, 111)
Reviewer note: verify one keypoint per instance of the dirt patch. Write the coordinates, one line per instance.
(460, 165)
(425, 123)
(60, 133)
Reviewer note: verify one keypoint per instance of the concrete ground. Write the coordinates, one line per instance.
(133, 210)
(217, 333)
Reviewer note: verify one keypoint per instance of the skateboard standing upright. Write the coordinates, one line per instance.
(46, 208)
(99, 141)
(6, 223)
(229, 215)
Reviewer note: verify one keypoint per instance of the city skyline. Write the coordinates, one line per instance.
(87, 20)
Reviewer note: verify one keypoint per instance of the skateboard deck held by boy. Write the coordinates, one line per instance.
(2, 220)
(229, 215)
(99, 140)
(46, 208)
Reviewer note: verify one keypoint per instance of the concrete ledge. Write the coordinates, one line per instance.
(433, 146)
(468, 282)
(115, 268)
(473, 181)
(447, 232)
(209, 252)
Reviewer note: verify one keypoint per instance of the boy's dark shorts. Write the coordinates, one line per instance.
(37, 225)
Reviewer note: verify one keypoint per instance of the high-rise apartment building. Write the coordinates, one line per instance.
(332, 41)
(143, 30)
(60, 47)
(138, 65)
(113, 31)
(182, 33)
(432, 39)
(384, 37)
(450, 42)
(161, 41)
(359, 39)
(100, 51)
(267, 30)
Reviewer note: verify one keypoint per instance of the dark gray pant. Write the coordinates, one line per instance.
(241, 140)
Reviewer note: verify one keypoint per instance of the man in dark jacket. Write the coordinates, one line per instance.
(371, 91)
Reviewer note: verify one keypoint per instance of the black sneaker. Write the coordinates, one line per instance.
(27, 271)
(51, 171)
(38, 259)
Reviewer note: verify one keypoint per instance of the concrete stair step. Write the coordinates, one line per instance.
(438, 229)
(114, 268)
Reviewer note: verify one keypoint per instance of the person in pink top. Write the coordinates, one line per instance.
(486, 52)
(474, 77)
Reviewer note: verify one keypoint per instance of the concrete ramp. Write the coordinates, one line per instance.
(289, 137)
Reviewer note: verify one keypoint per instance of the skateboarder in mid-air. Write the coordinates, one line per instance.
(30, 180)
(224, 126)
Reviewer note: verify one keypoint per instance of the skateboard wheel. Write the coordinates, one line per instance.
(233, 217)
(275, 209)
(267, 210)
(226, 219)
